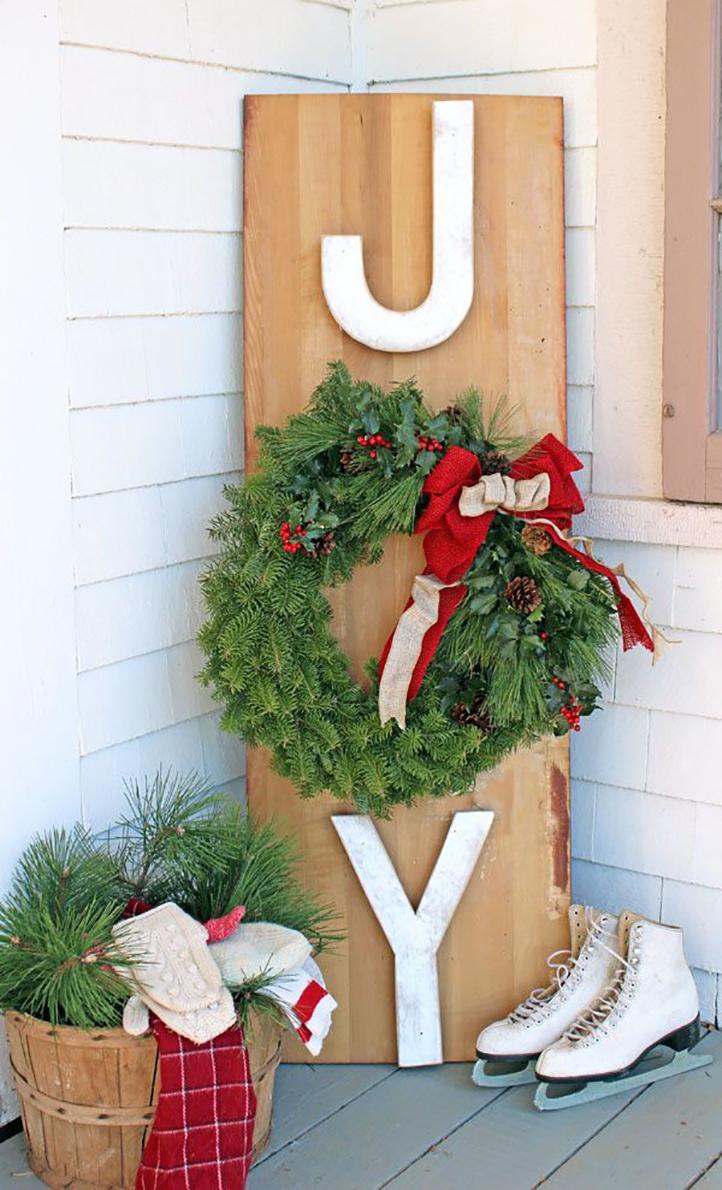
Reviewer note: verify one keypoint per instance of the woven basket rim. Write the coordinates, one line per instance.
(36, 1024)
(118, 1034)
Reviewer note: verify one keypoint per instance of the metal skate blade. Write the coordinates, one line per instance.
(652, 1069)
(488, 1072)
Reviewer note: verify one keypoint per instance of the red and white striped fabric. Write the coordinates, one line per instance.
(202, 1136)
(308, 1005)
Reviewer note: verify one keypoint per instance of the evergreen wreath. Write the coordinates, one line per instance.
(521, 656)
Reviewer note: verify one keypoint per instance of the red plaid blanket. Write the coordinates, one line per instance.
(203, 1131)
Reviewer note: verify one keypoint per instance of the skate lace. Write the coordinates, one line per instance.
(604, 1005)
(561, 963)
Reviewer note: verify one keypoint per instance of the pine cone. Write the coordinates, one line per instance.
(495, 462)
(454, 414)
(324, 546)
(476, 715)
(536, 539)
(349, 461)
(523, 595)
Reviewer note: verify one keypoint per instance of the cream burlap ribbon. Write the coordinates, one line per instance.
(501, 493)
(492, 493)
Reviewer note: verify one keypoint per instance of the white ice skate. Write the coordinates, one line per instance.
(508, 1049)
(651, 1001)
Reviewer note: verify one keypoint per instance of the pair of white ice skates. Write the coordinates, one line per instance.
(622, 989)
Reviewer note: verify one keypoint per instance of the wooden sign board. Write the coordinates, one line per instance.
(320, 165)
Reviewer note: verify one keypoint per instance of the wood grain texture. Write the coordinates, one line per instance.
(88, 1097)
(335, 164)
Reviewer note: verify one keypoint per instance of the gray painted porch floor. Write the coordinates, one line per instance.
(368, 1127)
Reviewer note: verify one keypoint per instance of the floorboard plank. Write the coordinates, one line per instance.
(510, 1146)
(365, 1144)
(712, 1179)
(664, 1138)
(14, 1165)
(306, 1095)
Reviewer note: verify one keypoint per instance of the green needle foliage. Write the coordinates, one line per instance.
(177, 841)
(168, 825)
(55, 939)
(272, 659)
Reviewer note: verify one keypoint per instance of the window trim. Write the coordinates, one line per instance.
(691, 445)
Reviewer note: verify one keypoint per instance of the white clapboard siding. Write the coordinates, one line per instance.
(580, 345)
(698, 911)
(193, 745)
(159, 27)
(616, 750)
(616, 889)
(580, 403)
(684, 757)
(687, 682)
(117, 360)
(141, 613)
(580, 186)
(668, 850)
(580, 262)
(130, 446)
(583, 804)
(129, 699)
(183, 189)
(578, 89)
(283, 35)
(480, 36)
(121, 96)
(653, 566)
(697, 583)
(151, 272)
(103, 773)
(121, 533)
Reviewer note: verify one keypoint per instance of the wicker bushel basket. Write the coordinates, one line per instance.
(88, 1098)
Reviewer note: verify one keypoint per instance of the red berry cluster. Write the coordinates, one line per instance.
(429, 443)
(372, 441)
(572, 710)
(290, 537)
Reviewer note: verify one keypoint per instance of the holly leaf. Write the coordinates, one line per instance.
(312, 507)
(481, 582)
(438, 427)
(483, 603)
(406, 432)
(371, 421)
(426, 460)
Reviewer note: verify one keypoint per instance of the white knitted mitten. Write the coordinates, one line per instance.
(173, 973)
(259, 948)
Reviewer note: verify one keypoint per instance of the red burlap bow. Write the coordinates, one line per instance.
(452, 540)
